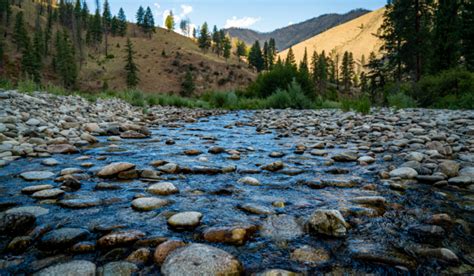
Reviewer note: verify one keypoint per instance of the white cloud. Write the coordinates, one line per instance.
(290, 23)
(157, 7)
(243, 22)
(185, 10)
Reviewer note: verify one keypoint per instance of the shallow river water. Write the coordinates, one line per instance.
(378, 241)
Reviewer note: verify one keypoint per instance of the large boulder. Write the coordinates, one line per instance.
(200, 259)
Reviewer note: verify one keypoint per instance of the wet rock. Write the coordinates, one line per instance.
(428, 233)
(47, 194)
(185, 220)
(216, 150)
(62, 149)
(249, 181)
(276, 154)
(192, 152)
(163, 250)
(365, 251)
(462, 181)
(377, 201)
(328, 222)
(366, 159)
(443, 220)
(442, 254)
(131, 134)
(467, 171)
(273, 167)
(139, 256)
(36, 175)
(34, 210)
(278, 272)
(114, 169)
(19, 244)
(120, 238)
(233, 235)
(310, 255)
(163, 188)
(256, 209)
(72, 268)
(32, 189)
(107, 186)
(50, 162)
(148, 203)
(118, 269)
(201, 260)
(62, 238)
(348, 156)
(170, 168)
(83, 247)
(281, 228)
(80, 203)
(404, 173)
(449, 168)
(430, 179)
(16, 223)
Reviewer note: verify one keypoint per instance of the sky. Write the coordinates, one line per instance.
(260, 15)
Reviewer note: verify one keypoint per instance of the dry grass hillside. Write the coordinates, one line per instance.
(356, 36)
(163, 61)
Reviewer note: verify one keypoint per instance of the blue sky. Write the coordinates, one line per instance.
(260, 15)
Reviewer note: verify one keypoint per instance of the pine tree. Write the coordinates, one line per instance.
(184, 26)
(38, 48)
(148, 22)
(122, 23)
(290, 58)
(227, 44)
(106, 23)
(188, 86)
(140, 17)
(314, 66)
(256, 57)
(114, 26)
(266, 49)
(347, 71)
(241, 49)
(65, 61)
(169, 22)
(304, 68)
(5, 11)
(468, 34)
(85, 15)
(20, 35)
(204, 40)
(130, 67)
(322, 73)
(375, 75)
(29, 65)
(271, 53)
(95, 29)
(446, 36)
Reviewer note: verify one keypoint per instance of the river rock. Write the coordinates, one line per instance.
(461, 181)
(273, 167)
(163, 250)
(80, 203)
(310, 255)
(118, 269)
(185, 220)
(249, 181)
(120, 238)
(32, 189)
(170, 168)
(72, 268)
(34, 210)
(256, 209)
(50, 162)
(201, 260)
(404, 173)
(62, 238)
(281, 228)
(16, 223)
(47, 194)
(139, 256)
(442, 254)
(347, 156)
(328, 222)
(233, 235)
(114, 169)
(449, 168)
(62, 149)
(278, 272)
(163, 188)
(148, 203)
(36, 175)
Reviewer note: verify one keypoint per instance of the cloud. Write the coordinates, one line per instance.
(157, 7)
(243, 22)
(185, 10)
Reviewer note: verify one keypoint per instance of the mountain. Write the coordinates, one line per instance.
(294, 34)
(163, 60)
(356, 36)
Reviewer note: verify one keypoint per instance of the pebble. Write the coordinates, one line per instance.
(163, 188)
(185, 220)
(148, 203)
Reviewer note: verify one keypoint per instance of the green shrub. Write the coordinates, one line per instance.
(6, 84)
(28, 86)
(361, 105)
(401, 100)
(293, 97)
(448, 89)
(279, 100)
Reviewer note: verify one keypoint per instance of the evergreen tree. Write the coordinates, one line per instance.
(184, 26)
(106, 23)
(290, 58)
(5, 11)
(29, 64)
(65, 61)
(188, 86)
(20, 35)
(85, 15)
(241, 49)
(347, 71)
(227, 45)
(130, 67)
(169, 22)
(322, 73)
(148, 22)
(468, 34)
(204, 40)
(140, 17)
(304, 68)
(38, 46)
(314, 66)
(114, 26)
(271, 53)
(256, 57)
(122, 23)
(333, 66)
(446, 36)
(95, 29)
(375, 75)
(266, 49)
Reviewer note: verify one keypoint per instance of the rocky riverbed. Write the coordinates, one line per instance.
(102, 188)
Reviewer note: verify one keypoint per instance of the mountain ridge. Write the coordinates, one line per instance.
(287, 36)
